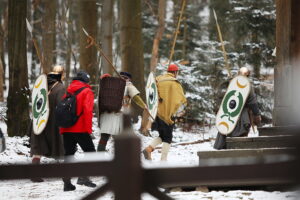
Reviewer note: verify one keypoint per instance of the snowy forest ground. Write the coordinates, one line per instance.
(52, 189)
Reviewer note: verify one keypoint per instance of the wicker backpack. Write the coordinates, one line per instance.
(111, 94)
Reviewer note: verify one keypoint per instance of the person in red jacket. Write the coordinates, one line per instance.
(80, 132)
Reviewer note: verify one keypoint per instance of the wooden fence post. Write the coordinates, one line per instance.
(126, 175)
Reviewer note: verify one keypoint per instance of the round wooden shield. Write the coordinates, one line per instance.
(40, 104)
(232, 104)
(152, 95)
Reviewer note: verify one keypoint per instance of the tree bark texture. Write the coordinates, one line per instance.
(2, 76)
(36, 33)
(49, 34)
(4, 26)
(88, 21)
(106, 34)
(1, 82)
(288, 56)
(17, 100)
(159, 34)
(132, 43)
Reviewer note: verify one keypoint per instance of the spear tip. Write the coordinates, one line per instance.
(29, 27)
(85, 32)
(215, 15)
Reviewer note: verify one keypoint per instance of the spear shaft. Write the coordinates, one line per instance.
(37, 49)
(92, 42)
(177, 30)
(222, 44)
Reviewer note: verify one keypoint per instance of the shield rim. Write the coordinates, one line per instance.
(221, 105)
(151, 79)
(37, 131)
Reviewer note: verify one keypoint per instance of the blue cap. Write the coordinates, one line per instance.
(82, 76)
(126, 74)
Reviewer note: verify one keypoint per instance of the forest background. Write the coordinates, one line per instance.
(136, 36)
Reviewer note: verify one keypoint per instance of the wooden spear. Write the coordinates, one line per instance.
(222, 44)
(177, 31)
(92, 42)
(29, 27)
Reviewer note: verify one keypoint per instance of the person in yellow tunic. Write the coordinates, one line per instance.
(171, 103)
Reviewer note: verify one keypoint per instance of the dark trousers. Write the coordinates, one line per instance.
(165, 131)
(72, 139)
(220, 142)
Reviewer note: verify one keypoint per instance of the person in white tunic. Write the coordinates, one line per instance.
(112, 123)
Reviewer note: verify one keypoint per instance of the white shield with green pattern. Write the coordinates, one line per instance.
(232, 104)
(40, 104)
(152, 95)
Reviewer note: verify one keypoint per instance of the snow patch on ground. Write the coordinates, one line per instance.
(180, 155)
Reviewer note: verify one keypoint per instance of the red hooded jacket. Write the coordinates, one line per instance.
(85, 104)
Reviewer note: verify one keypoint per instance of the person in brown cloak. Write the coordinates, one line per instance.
(50, 142)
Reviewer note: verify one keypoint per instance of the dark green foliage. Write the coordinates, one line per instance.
(248, 29)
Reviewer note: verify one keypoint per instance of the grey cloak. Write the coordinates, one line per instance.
(243, 125)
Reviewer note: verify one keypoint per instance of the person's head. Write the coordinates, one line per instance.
(244, 71)
(82, 76)
(57, 72)
(105, 75)
(126, 75)
(173, 68)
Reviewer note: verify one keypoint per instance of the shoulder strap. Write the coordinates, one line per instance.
(79, 90)
(52, 87)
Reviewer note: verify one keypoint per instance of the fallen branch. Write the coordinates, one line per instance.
(188, 143)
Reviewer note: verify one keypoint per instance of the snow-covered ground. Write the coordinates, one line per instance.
(52, 189)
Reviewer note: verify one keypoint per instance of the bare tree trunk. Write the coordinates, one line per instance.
(4, 26)
(69, 35)
(37, 30)
(49, 33)
(106, 34)
(184, 42)
(1, 82)
(17, 101)
(159, 34)
(132, 43)
(288, 56)
(2, 75)
(88, 21)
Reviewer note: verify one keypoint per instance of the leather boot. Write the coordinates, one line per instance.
(103, 142)
(85, 181)
(36, 161)
(101, 147)
(147, 152)
(68, 186)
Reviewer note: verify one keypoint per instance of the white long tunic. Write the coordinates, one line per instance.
(112, 123)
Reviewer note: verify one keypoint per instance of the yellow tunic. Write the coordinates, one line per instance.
(171, 97)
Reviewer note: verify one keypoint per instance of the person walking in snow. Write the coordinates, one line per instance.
(80, 132)
(250, 113)
(171, 103)
(111, 123)
(49, 143)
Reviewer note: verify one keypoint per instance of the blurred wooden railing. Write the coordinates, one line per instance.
(128, 179)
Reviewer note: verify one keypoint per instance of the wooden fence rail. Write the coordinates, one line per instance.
(128, 179)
